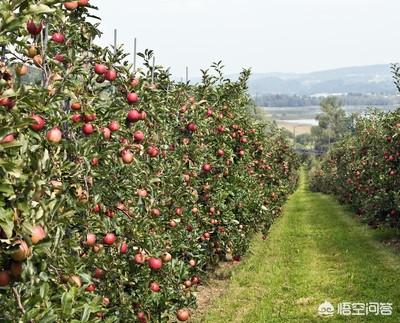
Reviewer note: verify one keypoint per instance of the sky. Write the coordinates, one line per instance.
(266, 35)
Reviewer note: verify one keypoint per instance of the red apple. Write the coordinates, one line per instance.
(132, 98)
(91, 288)
(154, 287)
(207, 168)
(95, 161)
(83, 3)
(100, 69)
(109, 238)
(152, 151)
(54, 135)
(58, 38)
(124, 248)
(71, 5)
(90, 239)
(76, 106)
(4, 278)
(99, 273)
(138, 136)
(59, 58)
(142, 193)
(106, 133)
(155, 212)
(113, 126)
(220, 153)
(134, 115)
(139, 258)
(22, 252)
(110, 75)
(127, 156)
(192, 127)
(7, 138)
(87, 129)
(155, 263)
(76, 118)
(134, 82)
(34, 29)
(37, 234)
(179, 211)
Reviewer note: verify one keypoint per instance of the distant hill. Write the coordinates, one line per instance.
(360, 79)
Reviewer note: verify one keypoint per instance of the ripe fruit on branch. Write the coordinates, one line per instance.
(16, 269)
(220, 153)
(109, 238)
(132, 98)
(127, 156)
(110, 75)
(38, 60)
(76, 118)
(139, 258)
(154, 287)
(221, 129)
(155, 212)
(4, 278)
(87, 129)
(192, 127)
(113, 126)
(106, 133)
(100, 69)
(206, 168)
(37, 234)
(59, 58)
(89, 117)
(39, 123)
(99, 273)
(90, 239)
(34, 29)
(134, 82)
(54, 135)
(71, 5)
(58, 38)
(76, 106)
(124, 248)
(155, 263)
(21, 69)
(91, 288)
(166, 257)
(95, 161)
(142, 193)
(152, 151)
(138, 136)
(22, 252)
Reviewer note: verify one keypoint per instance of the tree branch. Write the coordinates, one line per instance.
(18, 298)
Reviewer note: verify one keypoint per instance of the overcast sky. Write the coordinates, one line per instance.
(267, 35)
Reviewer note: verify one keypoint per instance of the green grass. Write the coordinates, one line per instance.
(316, 251)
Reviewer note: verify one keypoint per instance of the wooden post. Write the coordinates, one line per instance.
(44, 36)
(115, 41)
(152, 70)
(3, 53)
(134, 55)
(187, 74)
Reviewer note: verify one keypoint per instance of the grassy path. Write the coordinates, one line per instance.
(315, 252)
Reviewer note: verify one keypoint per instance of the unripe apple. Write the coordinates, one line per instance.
(21, 69)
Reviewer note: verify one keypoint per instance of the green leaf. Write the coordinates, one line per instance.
(7, 221)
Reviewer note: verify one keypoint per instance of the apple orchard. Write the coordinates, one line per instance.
(118, 194)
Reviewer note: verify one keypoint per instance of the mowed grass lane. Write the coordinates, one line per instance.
(316, 251)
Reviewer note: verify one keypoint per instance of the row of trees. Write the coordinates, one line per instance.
(120, 189)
